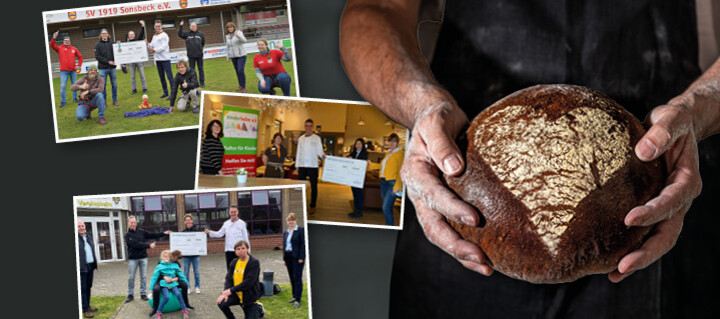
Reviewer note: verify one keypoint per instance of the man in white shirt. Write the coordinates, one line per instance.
(233, 229)
(309, 149)
(160, 46)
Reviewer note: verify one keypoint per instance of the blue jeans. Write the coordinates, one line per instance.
(165, 296)
(165, 67)
(133, 265)
(239, 65)
(64, 76)
(195, 262)
(281, 80)
(388, 198)
(83, 111)
(113, 80)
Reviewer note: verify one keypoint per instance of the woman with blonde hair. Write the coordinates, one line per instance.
(234, 42)
(294, 256)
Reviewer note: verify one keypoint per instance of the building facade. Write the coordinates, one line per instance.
(267, 19)
(264, 211)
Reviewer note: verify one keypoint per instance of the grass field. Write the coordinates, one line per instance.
(276, 306)
(106, 305)
(219, 76)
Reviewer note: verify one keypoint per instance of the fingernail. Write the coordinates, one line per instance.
(485, 270)
(646, 149)
(452, 164)
(467, 221)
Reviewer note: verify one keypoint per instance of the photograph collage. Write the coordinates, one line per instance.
(384, 159)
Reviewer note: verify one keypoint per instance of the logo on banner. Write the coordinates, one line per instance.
(72, 15)
(204, 2)
(183, 4)
(116, 200)
(239, 124)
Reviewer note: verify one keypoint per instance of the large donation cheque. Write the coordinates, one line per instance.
(240, 129)
(345, 171)
(189, 243)
(130, 52)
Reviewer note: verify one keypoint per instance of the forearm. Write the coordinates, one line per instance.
(259, 74)
(378, 42)
(702, 101)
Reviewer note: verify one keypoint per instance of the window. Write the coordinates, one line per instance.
(92, 33)
(199, 20)
(210, 210)
(168, 24)
(262, 211)
(60, 36)
(155, 214)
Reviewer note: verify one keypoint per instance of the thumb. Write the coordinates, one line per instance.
(443, 151)
(668, 123)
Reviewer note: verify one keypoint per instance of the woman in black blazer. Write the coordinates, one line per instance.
(294, 256)
(359, 152)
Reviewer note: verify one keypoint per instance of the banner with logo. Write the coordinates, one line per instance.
(240, 129)
(103, 203)
(261, 17)
(106, 11)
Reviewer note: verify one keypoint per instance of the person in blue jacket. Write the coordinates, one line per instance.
(294, 256)
(166, 268)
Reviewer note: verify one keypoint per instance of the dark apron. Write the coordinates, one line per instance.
(641, 53)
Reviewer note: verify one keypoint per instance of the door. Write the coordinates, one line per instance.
(106, 233)
(104, 241)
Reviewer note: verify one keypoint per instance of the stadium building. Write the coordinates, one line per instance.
(268, 19)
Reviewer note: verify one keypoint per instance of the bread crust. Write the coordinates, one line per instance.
(552, 170)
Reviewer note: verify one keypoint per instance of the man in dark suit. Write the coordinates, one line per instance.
(294, 256)
(88, 264)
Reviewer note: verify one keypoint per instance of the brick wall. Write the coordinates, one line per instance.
(214, 31)
(218, 245)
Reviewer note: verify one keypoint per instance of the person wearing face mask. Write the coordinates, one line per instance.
(235, 45)
(274, 157)
(211, 156)
(269, 69)
(137, 67)
(68, 68)
(106, 63)
(360, 153)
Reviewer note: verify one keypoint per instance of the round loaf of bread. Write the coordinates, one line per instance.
(553, 172)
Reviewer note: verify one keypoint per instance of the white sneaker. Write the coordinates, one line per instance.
(197, 290)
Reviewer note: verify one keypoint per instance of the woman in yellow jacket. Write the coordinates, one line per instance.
(390, 182)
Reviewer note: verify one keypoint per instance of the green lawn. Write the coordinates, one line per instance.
(277, 306)
(106, 305)
(219, 76)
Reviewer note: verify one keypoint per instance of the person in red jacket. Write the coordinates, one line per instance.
(68, 68)
(269, 68)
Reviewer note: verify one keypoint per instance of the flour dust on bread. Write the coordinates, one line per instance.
(552, 170)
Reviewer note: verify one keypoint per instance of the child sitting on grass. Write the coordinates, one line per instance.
(167, 268)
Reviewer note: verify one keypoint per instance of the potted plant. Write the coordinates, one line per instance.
(241, 175)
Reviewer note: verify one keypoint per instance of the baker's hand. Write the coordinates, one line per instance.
(432, 149)
(671, 135)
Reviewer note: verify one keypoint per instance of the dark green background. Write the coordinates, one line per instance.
(350, 266)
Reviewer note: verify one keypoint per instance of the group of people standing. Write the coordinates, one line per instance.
(242, 284)
(267, 63)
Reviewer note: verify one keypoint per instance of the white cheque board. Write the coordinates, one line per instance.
(130, 52)
(345, 171)
(189, 243)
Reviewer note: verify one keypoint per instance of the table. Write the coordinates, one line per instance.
(218, 181)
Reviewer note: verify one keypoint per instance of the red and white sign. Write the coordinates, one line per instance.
(261, 17)
(129, 9)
